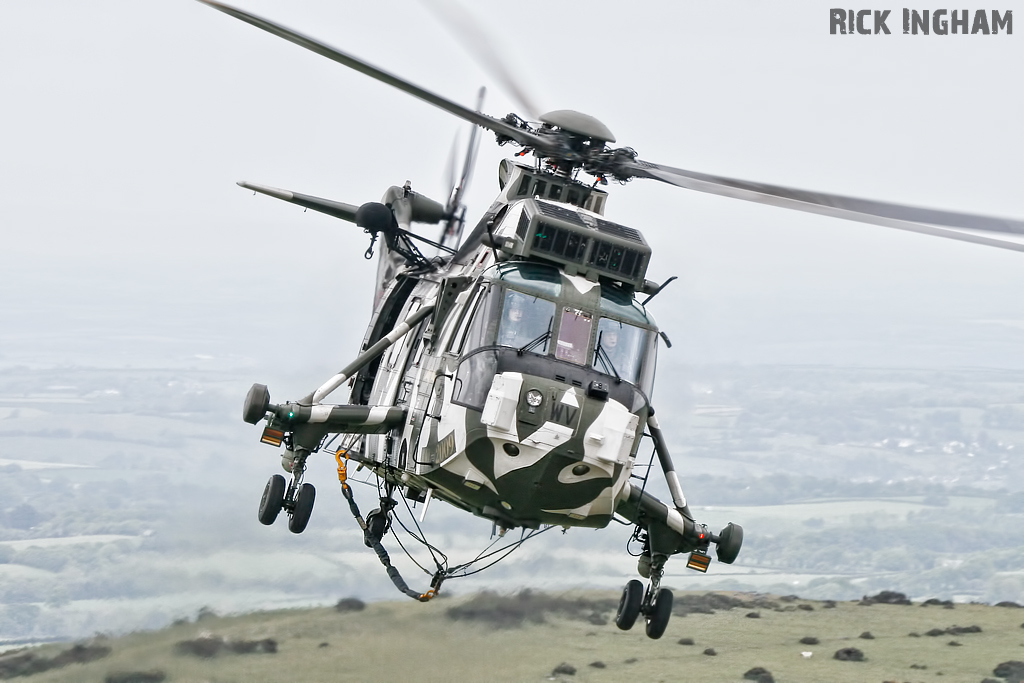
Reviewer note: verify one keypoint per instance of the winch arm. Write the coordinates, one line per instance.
(400, 330)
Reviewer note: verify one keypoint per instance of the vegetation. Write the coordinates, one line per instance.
(438, 642)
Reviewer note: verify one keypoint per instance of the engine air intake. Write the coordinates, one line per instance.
(582, 242)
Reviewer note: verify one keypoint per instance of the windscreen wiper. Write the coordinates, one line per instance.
(536, 342)
(529, 346)
(602, 355)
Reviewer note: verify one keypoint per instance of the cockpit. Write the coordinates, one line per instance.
(530, 317)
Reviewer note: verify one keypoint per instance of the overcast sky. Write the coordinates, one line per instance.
(125, 125)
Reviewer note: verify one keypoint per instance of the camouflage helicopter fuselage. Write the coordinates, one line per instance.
(512, 379)
(524, 436)
(473, 431)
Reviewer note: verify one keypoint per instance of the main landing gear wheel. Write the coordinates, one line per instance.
(629, 605)
(273, 500)
(658, 614)
(303, 507)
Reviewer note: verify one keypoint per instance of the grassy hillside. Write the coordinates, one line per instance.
(524, 637)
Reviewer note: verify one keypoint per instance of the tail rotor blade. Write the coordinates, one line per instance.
(449, 172)
(457, 211)
(471, 151)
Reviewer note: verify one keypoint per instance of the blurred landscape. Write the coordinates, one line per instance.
(129, 494)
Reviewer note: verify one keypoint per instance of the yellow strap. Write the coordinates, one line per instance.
(342, 466)
(429, 594)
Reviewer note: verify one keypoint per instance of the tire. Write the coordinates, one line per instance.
(272, 500)
(729, 543)
(303, 508)
(257, 402)
(661, 611)
(629, 605)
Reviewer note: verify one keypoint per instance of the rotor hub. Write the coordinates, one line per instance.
(578, 123)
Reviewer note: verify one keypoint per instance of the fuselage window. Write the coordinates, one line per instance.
(474, 378)
(524, 186)
(574, 336)
(526, 322)
(458, 338)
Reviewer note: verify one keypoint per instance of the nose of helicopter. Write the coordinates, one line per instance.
(559, 452)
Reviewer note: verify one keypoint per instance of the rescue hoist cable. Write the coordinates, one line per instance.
(443, 572)
(382, 554)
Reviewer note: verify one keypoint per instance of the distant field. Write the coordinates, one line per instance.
(128, 491)
(65, 540)
(832, 510)
(393, 641)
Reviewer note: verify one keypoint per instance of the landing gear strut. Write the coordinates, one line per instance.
(302, 507)
(657, 610)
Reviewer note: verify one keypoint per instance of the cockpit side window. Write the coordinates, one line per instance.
(524, 186)
(483, 326)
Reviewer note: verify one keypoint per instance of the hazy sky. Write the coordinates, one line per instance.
(125, 125)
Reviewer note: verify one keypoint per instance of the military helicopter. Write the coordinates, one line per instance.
(510, 375)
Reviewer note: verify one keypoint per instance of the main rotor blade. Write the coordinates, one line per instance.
(523, 137)
(902, 217)
(478, 42)
(346, 212)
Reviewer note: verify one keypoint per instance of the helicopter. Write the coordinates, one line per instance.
(510, 375)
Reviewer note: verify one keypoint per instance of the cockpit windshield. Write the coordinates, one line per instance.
(620, 348)
(621, 304)
(539, 277)
(526, 322)
(522, 307)
(574, 335)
